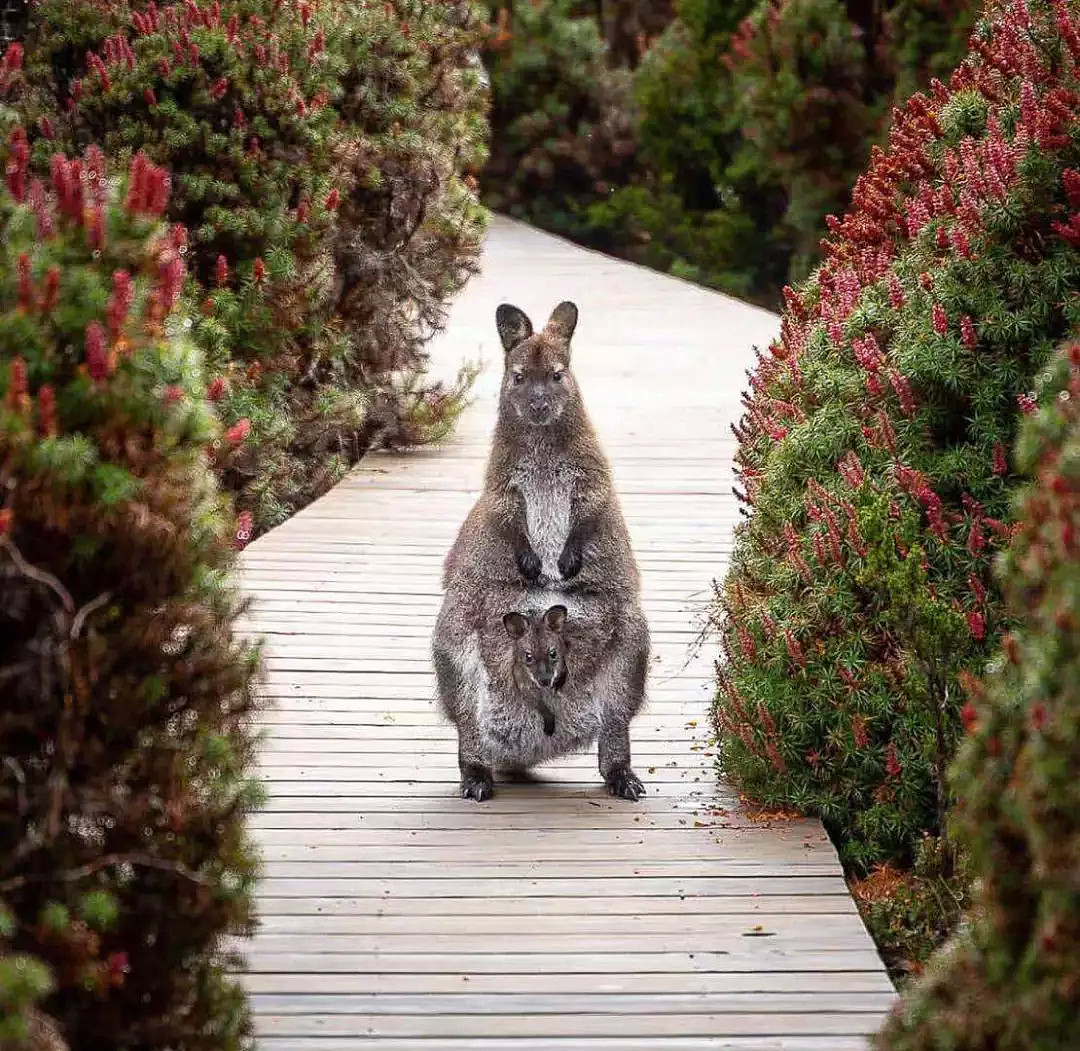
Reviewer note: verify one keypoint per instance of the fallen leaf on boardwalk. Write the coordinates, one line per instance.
(759, 932)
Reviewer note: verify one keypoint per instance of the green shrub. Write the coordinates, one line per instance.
(873, 450)
(1011, 980)
(755, 119)
(561, 123)
(124, 861)
(318, 154)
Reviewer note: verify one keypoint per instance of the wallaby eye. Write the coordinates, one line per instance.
(553, 653)
(528, 657)
(519, 377)
(557, 375)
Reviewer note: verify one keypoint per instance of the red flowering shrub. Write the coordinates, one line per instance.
(124, 862)
(317, 154)
(872, 452)
(1011, 981)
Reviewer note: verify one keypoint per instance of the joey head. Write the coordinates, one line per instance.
(540, 650)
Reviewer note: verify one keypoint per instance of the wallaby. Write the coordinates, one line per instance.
(546, 529)
(548, 514)
(539, 658)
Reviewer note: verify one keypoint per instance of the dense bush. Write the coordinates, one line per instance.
(319, 153)
(124, 861)
(744, 124)
(755, 119)
(561, 124)
(873, 450)
(1011, 981)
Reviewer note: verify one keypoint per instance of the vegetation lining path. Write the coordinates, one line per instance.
(552, 917)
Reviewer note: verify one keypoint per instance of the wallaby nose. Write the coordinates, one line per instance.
(539, 405)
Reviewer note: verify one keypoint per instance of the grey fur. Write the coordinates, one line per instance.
(547, 530)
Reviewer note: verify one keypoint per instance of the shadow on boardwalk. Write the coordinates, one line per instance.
(552, 917)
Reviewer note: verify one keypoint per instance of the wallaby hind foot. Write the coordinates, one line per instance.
(622, 782)
(476, 782)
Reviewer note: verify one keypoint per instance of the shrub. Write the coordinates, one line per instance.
(561, 121)
(1010, 981)
(873, 449)
(776, 106)
(124, 861)
(318, 154)
(630, 27)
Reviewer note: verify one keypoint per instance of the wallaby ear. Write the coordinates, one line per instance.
(555, 618)
(515, 624)
(513, 325)
(563, 320)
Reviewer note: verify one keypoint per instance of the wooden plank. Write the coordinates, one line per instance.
(576, 913)
(553, 918)
(566, 1025)
(718, 985)
(708, 1043)
(364, 963)
(759, 1002)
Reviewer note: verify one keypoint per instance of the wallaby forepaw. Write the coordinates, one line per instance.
(478, 787)
(625, 784)
(570, 563)
(530, 565)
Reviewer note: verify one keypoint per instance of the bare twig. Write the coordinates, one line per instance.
(146, 861)
(90, 608)
(40, 575)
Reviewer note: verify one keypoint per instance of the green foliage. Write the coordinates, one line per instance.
(562, 131)
(1010, 980)
(873, 449)
(744, 126)
(318, 155)
(910, 913)
(124, 861)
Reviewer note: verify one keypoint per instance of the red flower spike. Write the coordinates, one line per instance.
(1028, 405)
(893, 767)
(120, 301)
(149, 97)
(302, 211)
(171, 281)
(977, 625)
(95, 231)
(244, 527)
(216, 390)
(221, 271)
(7, 517)
(219, 88)
(967, 333)
(1039, 716)
(238, 432)
(97, 356)
(333, 199)
(795, 651)
(259, 271)
(940, 319)
(858, 731)
(1001, 463)
(172, 395)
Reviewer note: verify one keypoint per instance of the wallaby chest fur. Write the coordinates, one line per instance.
(546, 482)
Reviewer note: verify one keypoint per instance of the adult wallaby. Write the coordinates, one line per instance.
(547, 529)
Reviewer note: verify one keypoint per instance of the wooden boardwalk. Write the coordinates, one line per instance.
(553, 917)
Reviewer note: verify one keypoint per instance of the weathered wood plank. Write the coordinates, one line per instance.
(553, 918)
